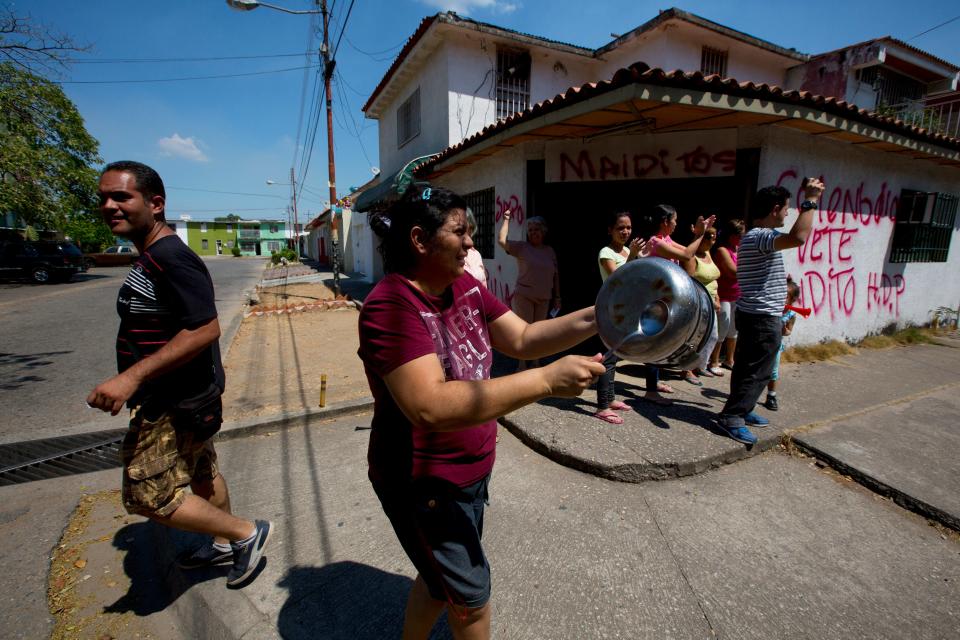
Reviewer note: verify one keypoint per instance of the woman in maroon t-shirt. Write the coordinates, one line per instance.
(426, 336)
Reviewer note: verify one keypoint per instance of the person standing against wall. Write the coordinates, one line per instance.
(617, 252)
(537, 290)
(725, 257)
(763, 288)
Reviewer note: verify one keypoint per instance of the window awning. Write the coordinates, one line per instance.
(390, 189)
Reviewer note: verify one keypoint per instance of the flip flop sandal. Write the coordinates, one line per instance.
(616, 405)
(704, 373)
(612, 418)
(694, 380)
(664, 388)
(716, 371)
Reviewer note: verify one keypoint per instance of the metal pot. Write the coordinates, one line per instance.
(650, 310)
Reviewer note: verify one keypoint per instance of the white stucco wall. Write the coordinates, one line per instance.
(471, 77)
(843, 269)
(433, 137)
(676, 45)
(506, 173)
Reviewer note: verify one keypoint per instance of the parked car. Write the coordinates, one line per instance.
(41, 261)
(113, 256)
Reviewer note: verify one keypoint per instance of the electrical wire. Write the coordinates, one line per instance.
(374, 53)
(163, 60)
(942, 24)
(231, 193)
(217, 77)
(356, 133)
(342, 29)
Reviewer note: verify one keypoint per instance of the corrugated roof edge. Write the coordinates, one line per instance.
(692, 18)
(641, 73)
(896, 41)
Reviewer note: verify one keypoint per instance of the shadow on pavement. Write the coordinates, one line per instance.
(149, 592)
(16, 370)
(348, 601)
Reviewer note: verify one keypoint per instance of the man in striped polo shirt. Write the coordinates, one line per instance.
(763, 292)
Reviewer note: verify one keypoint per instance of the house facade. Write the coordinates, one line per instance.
(261, 237)
(210, 238)
(626, 135)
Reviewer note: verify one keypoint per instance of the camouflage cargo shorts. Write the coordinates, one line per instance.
(159, 462)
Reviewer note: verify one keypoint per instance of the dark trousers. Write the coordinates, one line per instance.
(758, 342)
(605, 390)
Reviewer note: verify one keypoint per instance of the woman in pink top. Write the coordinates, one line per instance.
(427, 331)
(474, 263)
(725, 256)
(663, 221)
(537, 291)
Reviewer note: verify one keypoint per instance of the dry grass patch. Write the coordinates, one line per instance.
(817, 352)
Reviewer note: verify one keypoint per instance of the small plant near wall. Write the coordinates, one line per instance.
(236, 252)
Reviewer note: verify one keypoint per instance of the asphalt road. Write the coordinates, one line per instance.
(57, 344)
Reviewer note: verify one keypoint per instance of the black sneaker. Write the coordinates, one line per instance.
(772, 403)
(204, 556)
(246, 556)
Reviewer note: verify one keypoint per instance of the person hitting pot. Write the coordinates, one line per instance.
(427, 331)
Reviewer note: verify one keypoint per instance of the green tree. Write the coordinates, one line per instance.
(47, 157)
(87, 229)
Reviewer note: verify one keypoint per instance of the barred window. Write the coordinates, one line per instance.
(924, 226)
(713, 61)
(408, 119)
(482, 204)
(513, 82)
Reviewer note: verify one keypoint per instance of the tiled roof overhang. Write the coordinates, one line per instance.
(657, 101)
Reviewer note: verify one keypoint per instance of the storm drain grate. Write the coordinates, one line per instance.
(57, 457)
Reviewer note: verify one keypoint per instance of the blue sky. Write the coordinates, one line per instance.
(233, 134)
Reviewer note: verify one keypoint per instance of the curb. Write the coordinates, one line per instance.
(905, 500)
(257, 426)
(641, 471)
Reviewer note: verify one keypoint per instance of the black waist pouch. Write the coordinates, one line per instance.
(201, 414)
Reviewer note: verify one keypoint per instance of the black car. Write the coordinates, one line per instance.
(40, 261)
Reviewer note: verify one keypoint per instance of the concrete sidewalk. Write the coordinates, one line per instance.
(773, 547)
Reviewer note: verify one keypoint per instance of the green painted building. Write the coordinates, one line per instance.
(211, 238)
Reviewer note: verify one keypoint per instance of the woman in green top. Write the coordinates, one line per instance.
(618, 251)
(702, 269)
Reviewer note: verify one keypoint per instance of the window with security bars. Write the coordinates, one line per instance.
(408, 119)
(924, 226)
(482, 204)
(513, 82)
(713, 61)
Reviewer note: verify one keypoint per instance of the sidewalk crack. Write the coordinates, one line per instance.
(676, 561)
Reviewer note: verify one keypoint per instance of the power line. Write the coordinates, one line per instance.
(152, 60)
(942, 24)
(233, 75)
(231, 193)
(179, 210)
(374, 53)
(342, 29)
(356, 129)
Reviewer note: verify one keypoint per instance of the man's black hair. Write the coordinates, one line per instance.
(765, 200)
(149, 182)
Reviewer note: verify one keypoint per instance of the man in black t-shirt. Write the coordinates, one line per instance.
(170, 377)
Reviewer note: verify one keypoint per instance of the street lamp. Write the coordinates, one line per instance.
(296, 232)
(250, 5)
(328, 68)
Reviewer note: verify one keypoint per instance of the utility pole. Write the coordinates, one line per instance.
(328, 67)
(296, 234)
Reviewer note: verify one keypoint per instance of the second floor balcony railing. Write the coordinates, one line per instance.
(248, 234)
(942, 117)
